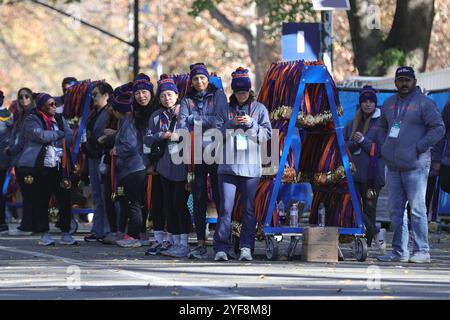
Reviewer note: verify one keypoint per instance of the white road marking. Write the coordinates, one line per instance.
(159, 281)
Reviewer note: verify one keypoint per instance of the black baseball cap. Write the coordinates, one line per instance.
(405, 72)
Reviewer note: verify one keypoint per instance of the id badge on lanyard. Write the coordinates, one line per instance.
(395, 130)
(241, 142)
(173, 147)
(399, 115)
(146, 150)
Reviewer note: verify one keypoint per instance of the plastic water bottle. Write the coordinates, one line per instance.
(321, 215)
(293, 216)
(281, 212)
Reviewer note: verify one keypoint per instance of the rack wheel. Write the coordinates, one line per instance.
(271, 248)
(235, 244)
(361, 249)
(73, 225)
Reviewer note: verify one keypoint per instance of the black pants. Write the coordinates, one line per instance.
(47, 182)
(2, 198)
(369, 211)
(109, 203)
(156, 205)
(175, 206)
(28, 222)
(200, 195)
(133, 185)
(145, 209)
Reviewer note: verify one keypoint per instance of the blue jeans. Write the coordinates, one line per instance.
(100, 225)
(228, 185)
(408, 186)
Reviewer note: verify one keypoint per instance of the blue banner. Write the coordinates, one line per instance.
(349, 99)
(300, 41)
(440, 97)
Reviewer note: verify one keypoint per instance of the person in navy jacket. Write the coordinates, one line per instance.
(207, 106)
(25, 104)
(130, 167)
(162, 130)
(45, 153)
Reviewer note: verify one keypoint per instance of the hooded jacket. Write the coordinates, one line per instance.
(361, 151)
(421, 128)
(37, 137)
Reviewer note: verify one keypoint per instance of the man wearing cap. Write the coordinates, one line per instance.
(412, 125)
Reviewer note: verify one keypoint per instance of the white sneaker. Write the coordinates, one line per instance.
(221, 256)
(46, 240)
(68, 240)
(246, 254)
(18, 232)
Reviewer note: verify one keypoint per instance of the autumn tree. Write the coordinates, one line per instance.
(407, 41)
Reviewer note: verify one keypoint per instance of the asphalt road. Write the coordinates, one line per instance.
(97, 271)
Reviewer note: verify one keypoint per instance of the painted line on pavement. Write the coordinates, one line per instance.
(158, 280)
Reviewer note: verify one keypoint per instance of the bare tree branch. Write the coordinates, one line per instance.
(226, 23)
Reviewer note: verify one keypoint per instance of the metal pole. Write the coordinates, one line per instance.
(131, 40)
(136, 44)
(327, 39)
(160, 39)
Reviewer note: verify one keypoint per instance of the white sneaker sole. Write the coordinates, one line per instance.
(46, 244)
(23, 234)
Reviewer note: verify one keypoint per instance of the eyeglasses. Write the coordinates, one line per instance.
(52, 104)
(24, 96)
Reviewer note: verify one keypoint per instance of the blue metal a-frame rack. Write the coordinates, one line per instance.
(313, 75)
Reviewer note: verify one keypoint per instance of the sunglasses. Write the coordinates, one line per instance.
(24, 96)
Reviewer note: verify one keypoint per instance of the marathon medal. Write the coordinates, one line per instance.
(66, 184)
(28, 179)
(370, 194)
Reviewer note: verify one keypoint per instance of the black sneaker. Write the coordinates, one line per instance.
(92, 237)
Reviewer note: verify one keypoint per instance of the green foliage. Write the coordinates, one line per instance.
(202, 5)
(382, 61)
